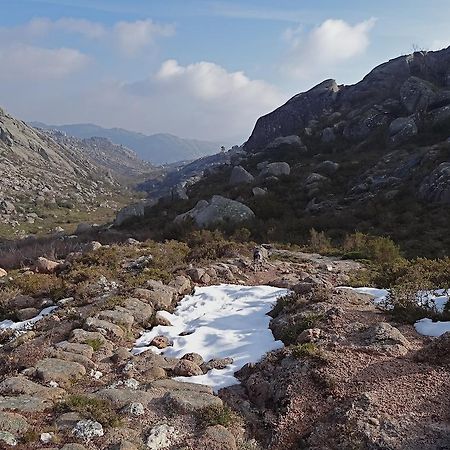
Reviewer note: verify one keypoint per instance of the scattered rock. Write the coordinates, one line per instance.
(240, 176)
(87, 430)
(193, 357)
(160, 342)
(161, 436)
(44, 265)
(191, 401)
(186, 368)
(63, 372)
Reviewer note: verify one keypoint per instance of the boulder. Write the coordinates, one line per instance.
(437, 351)
(181, 284)
(3, 273)
(327, 167)
(87, 430)
(162, 436)
(328, 135)
(416, 94)
(83, 228)
(129, 212)
(291, 141)
(187, 368)
(218, 210)
(60, 371)
(240, 176)
(158, 294)
(13, 423)
(160, 342)
(276, 169)
(191, 401)
(23, 386)
(402, 130)
(193, 357)
(216, 437)
(118, 317)
(44, 265)
(259, 192)
(25, 403)
(94, 324)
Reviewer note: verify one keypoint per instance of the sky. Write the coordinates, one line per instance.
(195, 68)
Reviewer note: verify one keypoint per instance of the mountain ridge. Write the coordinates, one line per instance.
(159, 148)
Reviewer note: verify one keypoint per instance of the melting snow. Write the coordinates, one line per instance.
(225, 321)
(426, 327)
(26, 324)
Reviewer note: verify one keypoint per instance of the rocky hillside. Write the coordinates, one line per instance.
(120, 161)
(160, 148)
(41, 178)
(373, 157)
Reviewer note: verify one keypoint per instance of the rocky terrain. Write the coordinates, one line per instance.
(120, 161)
(49, 180)
(348, 376)
(372, 157)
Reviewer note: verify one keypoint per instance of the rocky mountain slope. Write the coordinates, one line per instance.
(120, 161)
(41, 177)
(158, 148)
(373, 157)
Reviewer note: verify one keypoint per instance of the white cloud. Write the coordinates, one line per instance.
(133, 37)
(21, 61)
(330, 43)
(200, 100)
(87, 28)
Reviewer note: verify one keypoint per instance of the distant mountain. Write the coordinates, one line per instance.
(123, 163)
(157, 148)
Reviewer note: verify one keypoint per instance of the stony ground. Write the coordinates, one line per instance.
(348, 378)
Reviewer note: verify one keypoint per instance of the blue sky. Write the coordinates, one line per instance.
(203, 69)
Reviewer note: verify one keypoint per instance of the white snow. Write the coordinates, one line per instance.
(426, 327)
(225, 321)
(26, 324)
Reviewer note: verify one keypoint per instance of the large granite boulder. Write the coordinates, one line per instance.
(135, 210)
(240, 176)
(218, 210)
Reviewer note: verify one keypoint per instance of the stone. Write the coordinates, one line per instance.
(160, 319)
(217, 437)
(22, 302)
(72, 446)
(162, 436)
(218, 210)
(23, 386)
(3, 273)
(240, 176)
(196, 274)
(218, 363)
(435, 188)
(109, 328)
(8, 438)
(437, 351)
(72, 347)
(87, 430)
(387, 339)
(83, 228)
(46, 438)
(123, 397)
(118, 317)
(125, 445)
(69, 356)
(259, 192)
(402, 130)
(181, 284)
(44, 265)
(158, 294)
(327, 167)
(291, 141)
(186, 368)
(134, 409)
(193, 357)
(275, 169)
(67, 421)
(160, 342)
(141, 312)
(92, 246)
(416, 94)
(129, 212)
(328, 135)
(24, 403)
(190, 401)
(309, 335)
(13, 423)
(63, 372)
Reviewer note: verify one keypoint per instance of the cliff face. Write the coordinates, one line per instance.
(413, 84)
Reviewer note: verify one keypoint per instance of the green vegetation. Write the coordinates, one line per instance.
(96, 344)
(217, 415)
(92, 408)
(307, 350)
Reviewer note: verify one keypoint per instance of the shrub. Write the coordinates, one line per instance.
(210, 245)
(40, 284)
(307, 350)
(96, 344)
(91, 408)
(217, 415)
(319, 242)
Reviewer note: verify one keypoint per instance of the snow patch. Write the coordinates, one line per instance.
(26, 324)
(426, 327)
(224, 321)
